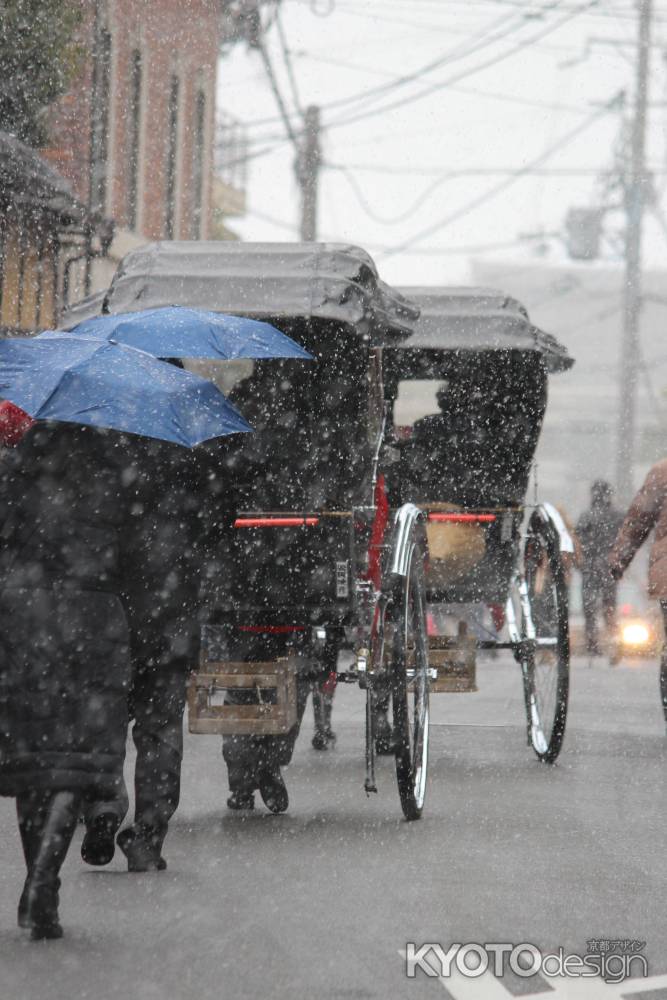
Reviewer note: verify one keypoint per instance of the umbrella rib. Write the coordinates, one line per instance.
(66, 368)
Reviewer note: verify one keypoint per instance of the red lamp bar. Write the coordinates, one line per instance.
(276, 522)
(272, 629)
(463, 518)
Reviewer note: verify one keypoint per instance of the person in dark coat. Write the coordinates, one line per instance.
(302, 456)
(161, 564)
(478, 447)
(64, 654)
(596, 530)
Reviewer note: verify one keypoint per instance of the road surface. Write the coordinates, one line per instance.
(320, 903)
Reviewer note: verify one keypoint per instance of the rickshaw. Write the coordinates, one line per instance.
(467, 467)
(332, 517)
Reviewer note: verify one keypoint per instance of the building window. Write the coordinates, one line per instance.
(100, 121)
(198, 166)
(134, 144)
(172, 153)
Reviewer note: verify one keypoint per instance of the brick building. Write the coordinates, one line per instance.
(135, 134)
(45, 232)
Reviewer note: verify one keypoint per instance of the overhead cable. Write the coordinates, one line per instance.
(501, 186)
(455, 173)
(287, 57)
(458, 52)
(338, 123)
(282, 107)
(405, 213)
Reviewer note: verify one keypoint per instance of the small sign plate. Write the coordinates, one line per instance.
(342, 579)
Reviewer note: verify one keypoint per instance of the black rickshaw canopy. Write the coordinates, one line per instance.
(479, 319)
(330, 282)
(492, 364)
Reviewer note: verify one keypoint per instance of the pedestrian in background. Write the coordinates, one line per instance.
(596, 531)
(648, 511)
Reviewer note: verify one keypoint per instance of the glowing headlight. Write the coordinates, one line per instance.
(635, 634)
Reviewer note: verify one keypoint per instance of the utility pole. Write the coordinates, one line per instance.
(308, 163)
(306, 144)
(635, 199)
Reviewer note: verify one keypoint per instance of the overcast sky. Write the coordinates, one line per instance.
(519, 85)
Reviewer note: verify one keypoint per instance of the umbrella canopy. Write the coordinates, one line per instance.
(109, 385)
(179, 332)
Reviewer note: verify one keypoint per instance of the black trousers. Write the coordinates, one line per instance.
(245, 756)
(598, 593)
(162, 656)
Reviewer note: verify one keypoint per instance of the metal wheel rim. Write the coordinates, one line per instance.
(544, 666)
(418, 729)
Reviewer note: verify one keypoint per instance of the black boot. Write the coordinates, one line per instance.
(142, 848)
(30, 815)
(322, 705)
(241, 799)
(272, 789)
(322, 738)
(38, 908)
(319, 740)
(99, 844)
(242, 785)
(22, 913)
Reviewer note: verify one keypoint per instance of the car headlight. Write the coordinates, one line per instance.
(635, 634)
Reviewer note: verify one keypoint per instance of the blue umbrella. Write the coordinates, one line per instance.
(178, 332)
(109, 385)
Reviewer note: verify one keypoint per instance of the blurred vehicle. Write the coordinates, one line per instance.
(638, 633)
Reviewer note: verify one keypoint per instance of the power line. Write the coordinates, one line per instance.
(282, 107)
(288, 64)
(541, 105)
(443, 176)
(419, 25)
(337, 123)
(506, 182)
(455, 173)
(256, 154)
(458, 52)
(444, 251)
(350, 8)
(402, 216)
(524, 101)
(436, 251)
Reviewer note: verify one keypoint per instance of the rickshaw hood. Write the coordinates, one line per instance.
(328, 281)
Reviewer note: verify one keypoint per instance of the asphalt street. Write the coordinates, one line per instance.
(321, 902)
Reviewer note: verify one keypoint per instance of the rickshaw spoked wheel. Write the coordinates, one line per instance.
(546, 662)
(409, 683)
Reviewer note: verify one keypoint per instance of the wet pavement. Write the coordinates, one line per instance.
(321, 902)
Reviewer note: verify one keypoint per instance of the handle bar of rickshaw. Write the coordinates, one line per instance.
(276, 522)
(459, 518)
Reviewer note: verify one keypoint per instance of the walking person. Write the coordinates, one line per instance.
(162, 561)
(596, 531)
(64, 654)
(323, 697)
(648, 512)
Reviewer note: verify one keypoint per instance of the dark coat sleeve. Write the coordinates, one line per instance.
(640, 519)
